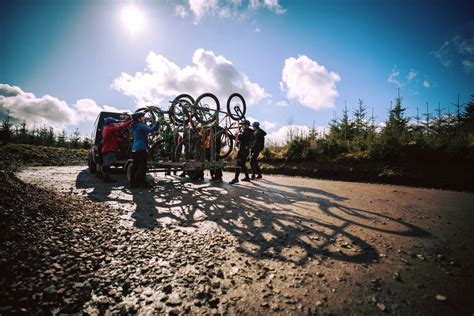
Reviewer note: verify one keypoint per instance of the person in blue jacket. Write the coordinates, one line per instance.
(140, 131)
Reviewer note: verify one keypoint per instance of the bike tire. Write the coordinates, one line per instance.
(177, 116)
(199, 112)
(232, 112)
(225, 152)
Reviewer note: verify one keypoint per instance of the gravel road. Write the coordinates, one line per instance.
(277, 245)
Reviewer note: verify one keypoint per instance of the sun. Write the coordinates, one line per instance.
(133, 19)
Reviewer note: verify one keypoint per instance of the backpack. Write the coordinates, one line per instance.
(252, 140)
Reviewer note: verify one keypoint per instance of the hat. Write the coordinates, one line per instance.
(256, 124)
(109, 120)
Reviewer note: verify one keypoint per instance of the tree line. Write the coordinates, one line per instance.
(441, 134)
(43, 135)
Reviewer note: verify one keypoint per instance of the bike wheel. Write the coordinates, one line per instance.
(226, 144)
(179, 108)
(236, 106)
(206, 108)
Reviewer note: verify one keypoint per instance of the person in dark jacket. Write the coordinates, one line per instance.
(244, 140)
(110, 144)
(258, 146)
(139, 155)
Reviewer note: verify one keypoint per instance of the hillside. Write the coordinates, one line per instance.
(17, 155)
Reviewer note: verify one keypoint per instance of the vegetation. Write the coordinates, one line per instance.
(43, 136)
(442, 136)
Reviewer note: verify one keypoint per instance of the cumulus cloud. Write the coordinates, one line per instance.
(426, 84)
(266, 125)
(225, 8)
(46, 110)
(35, 110)
(309, 83)
(162, 80)
(285, 133)
(88, 110)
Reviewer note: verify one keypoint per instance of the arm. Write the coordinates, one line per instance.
(150, 130)
(120, 126)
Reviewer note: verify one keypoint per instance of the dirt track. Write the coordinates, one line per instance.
(298, 245)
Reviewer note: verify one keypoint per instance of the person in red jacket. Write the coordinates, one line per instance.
(110, 144)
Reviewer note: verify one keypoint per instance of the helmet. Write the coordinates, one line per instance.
(109, 120)
(245, 122)
(137, 115)
(255, 124)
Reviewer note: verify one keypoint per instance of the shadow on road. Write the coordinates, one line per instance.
(269, 219)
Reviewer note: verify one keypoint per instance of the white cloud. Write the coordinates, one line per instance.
(443, 54)
(411, 75)
(426, 84)
(393, 77)
(309, 83)
(226, 9)
(181, 11)
(35, 110)
(281, 103)
(266, 125)
(162, 80)
(459, 48)
(257, 30)
(283, 134)
(271, 5)
(88, 110)
(47, 110)
(468, 66)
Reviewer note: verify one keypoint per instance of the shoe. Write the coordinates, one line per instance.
(253, 177)
(182, 175)
(98, 175)
(234, 181)
(259, 176)
(219, 179)
(246, 179)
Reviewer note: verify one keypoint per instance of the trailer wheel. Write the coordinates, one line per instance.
(92, 165)
(194, 175)
(129, 167)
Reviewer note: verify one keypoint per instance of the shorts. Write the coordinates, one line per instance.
(110, 158)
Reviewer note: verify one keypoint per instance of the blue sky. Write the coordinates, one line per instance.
(76, 50)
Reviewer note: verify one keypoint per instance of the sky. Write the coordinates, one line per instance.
(295, 62)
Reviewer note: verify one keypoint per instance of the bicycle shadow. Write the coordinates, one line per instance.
(268, 219)
(278, 222)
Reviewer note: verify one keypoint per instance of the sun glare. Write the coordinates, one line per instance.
(133, 19)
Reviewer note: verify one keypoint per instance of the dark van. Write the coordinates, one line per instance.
(123, 150)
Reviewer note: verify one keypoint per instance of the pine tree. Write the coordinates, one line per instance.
(6, 132)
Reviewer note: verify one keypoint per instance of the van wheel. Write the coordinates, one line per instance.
(129, 172)
(92, 165)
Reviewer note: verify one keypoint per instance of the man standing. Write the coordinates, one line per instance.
(257, 148)
(140, 149)
(244, 140)
(109, 144)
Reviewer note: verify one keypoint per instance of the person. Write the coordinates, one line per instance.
(216, 173)
(244, 140)
(110, 144)
(256, 149)
(99, 159)
(139, 155)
